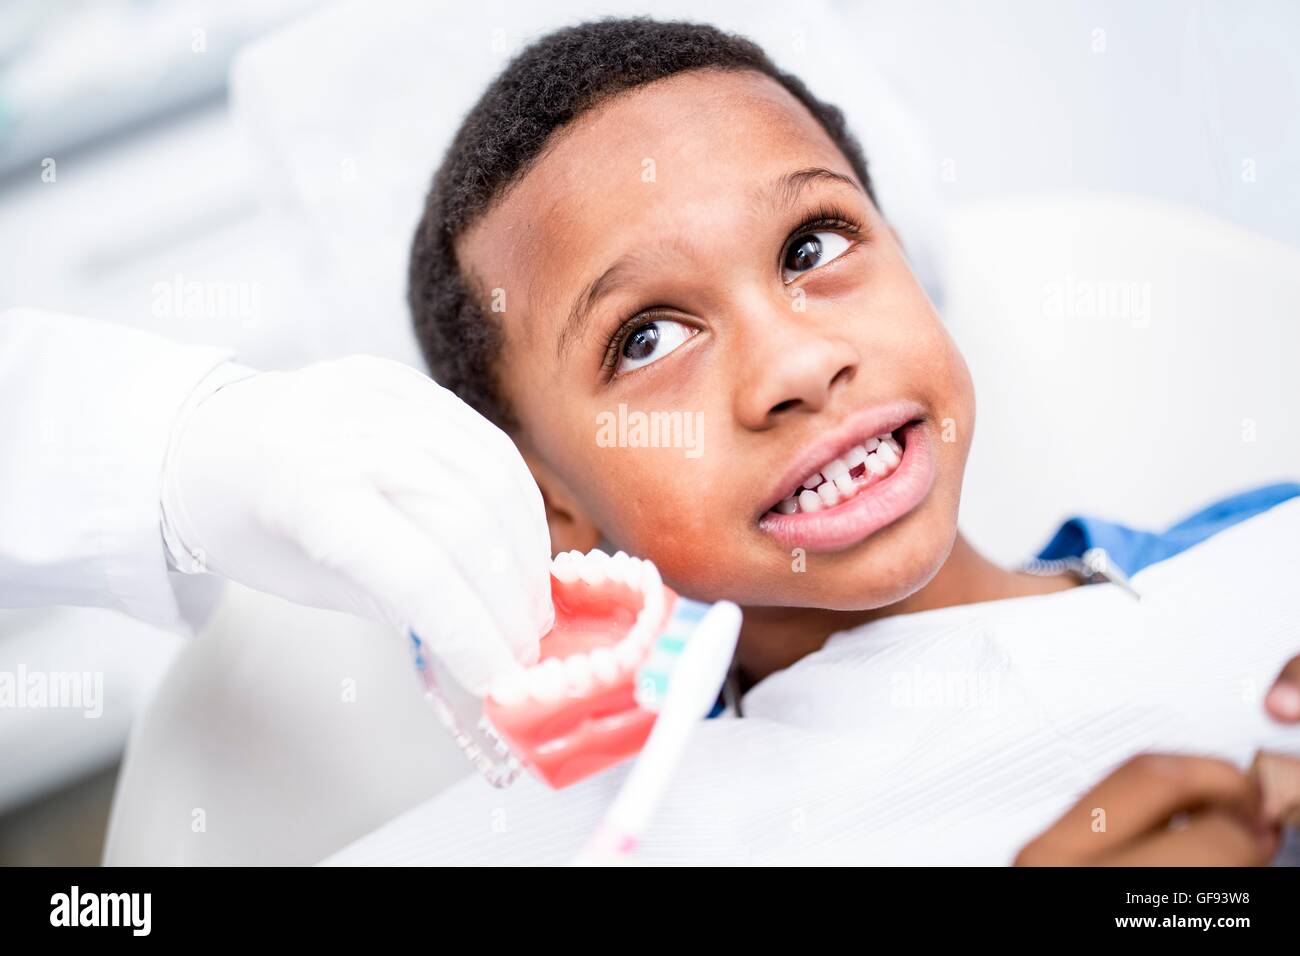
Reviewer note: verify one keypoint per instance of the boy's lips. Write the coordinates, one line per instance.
(873, 501)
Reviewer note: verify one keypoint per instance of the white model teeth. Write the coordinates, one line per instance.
(595, 569)
(604, 665)
(578, 677)
(627, 655)
(546, 680)
(843, 477)
(563, 569)
(511, 689)
(651, 583)
(620, 566)
(552, 679)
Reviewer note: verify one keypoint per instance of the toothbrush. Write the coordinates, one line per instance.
(680, 679)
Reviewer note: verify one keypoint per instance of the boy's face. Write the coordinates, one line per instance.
(783, 351)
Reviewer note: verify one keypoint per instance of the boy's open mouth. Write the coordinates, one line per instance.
(858, 485)
(843, 477)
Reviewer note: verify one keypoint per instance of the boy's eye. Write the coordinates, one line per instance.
(810, 250)
(650, 342)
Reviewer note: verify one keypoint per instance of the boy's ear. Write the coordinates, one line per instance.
(571, 529)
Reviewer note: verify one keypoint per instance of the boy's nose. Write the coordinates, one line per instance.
(790, 364)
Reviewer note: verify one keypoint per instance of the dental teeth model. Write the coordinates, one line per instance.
(842, 478)
(591, 700)
(609, 656)
(626, 662)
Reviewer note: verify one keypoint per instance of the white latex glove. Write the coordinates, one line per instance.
(361, 485)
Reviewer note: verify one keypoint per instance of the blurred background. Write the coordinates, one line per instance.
(1102, 197)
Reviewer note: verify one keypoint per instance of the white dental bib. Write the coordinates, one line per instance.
(944, 737)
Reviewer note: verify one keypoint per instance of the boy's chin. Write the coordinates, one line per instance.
(886, 569)
(868, 592)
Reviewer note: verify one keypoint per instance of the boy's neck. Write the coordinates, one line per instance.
(773, 638)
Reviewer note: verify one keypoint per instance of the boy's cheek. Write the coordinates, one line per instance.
(929, 357)
(651, 495)
(676, 512)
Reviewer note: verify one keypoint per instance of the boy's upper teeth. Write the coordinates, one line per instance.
(551, 679)
(836, 468)
(842, 477)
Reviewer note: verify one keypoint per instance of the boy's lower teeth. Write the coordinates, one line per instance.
(861, 466)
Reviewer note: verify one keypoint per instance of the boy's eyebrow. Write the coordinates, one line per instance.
(779, 193)
(785, 189)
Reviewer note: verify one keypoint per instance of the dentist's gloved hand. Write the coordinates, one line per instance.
(360, 485)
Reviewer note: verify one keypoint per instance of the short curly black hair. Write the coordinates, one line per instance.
(544, 87)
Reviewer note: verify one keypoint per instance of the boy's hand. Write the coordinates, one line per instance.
(1161, 810)
(1283, 700)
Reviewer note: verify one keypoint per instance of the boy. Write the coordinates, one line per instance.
(651, 216)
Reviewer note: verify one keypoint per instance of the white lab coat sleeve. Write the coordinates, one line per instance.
(86, 411)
